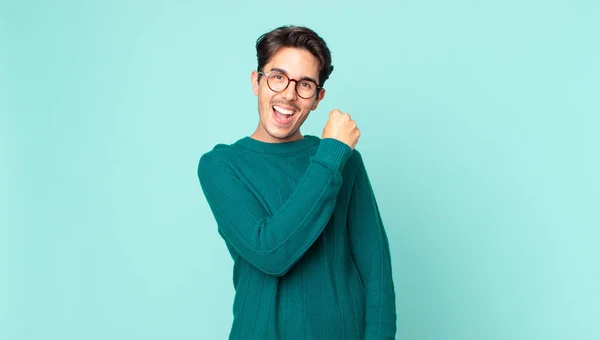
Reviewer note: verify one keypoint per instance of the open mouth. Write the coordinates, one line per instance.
(282, 115)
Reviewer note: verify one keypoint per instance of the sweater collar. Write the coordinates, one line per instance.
(249, 143)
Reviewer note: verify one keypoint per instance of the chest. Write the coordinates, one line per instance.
(273, 180)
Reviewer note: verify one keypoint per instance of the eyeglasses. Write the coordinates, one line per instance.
(278, 82)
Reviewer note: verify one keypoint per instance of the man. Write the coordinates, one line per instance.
(297, 213)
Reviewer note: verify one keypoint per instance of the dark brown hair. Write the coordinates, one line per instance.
(294, 36)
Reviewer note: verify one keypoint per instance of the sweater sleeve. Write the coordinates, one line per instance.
(370, 250)
(273, 243)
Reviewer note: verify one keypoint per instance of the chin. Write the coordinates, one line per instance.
(281, 134)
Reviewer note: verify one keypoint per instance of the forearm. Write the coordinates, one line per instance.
(380, 298)
(372, 257)
(273, 243)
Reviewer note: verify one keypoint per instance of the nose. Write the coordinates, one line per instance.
(290, 92)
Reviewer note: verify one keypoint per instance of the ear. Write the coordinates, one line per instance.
(254, 80)
(320, 97)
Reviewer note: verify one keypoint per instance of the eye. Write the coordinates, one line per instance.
(306, 84)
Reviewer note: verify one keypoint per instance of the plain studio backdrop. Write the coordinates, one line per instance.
(480, 133)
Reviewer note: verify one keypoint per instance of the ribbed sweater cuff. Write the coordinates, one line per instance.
(333, 153)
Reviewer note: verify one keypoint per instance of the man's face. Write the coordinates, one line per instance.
(275, 125)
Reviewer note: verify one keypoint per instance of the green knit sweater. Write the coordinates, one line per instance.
(310, 253)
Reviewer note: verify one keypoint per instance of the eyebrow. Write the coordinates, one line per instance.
(285, 72)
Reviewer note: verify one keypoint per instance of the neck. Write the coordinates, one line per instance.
(263, 136)
(259, 146)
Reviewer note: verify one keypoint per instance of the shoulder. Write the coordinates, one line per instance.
(219, 152)
(356, 158)
(220, 156)
(355, 164)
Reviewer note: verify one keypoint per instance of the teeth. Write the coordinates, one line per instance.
(283, 111)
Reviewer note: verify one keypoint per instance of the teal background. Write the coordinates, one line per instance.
(479, 125)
